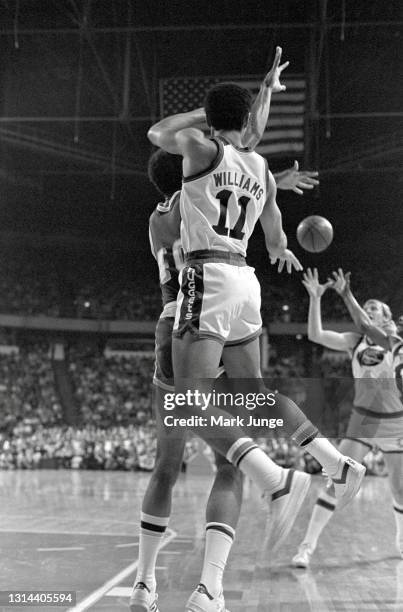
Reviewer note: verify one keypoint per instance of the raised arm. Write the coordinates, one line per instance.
(275, 238)
(182, 135)
(331, 339)
(260, 109)
(363, 323)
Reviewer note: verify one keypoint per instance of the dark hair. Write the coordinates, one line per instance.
(227, 106)
(165, 172)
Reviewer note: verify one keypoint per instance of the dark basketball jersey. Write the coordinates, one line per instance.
(164, 228)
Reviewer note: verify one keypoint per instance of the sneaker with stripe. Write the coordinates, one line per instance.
(202, 601)
(142, 600)
(284, 506)
(347, 481)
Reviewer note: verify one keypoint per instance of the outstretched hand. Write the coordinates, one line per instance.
(272, 78)
(287, 258)
(340, 282)
(295, 180)
(312, 284)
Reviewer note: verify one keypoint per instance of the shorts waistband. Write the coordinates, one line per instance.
(215, 256)
(378, 415)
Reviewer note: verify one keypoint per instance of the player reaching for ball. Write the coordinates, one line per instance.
(377, 416)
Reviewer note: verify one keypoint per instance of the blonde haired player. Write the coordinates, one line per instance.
(377, 416)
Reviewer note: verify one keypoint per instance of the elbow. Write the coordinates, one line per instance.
(153, 136)
(313, 337)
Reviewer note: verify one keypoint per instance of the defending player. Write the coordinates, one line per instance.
(377, 416)
(226, 189)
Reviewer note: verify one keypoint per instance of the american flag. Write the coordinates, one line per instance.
(284, 134)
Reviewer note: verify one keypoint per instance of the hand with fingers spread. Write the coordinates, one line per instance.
(312, 284)
(294, 180)
(272, 78)
(287, 258)
(340, 282)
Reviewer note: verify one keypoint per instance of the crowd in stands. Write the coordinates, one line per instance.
(111, 391)
(114, 427)
(28, 398)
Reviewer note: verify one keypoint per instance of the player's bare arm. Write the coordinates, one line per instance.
(293, 179)
(261, 107)
(331, 339)
(363, 323)
(275, 238)
(181, 134)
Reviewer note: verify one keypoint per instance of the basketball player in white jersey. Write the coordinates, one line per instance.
(226, 188)
(377, 416)
(223, 507)
(165, 172)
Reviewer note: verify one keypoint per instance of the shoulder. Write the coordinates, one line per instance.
(198, 165)
(192, 138)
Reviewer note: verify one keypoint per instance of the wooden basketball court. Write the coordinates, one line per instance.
(62, 530)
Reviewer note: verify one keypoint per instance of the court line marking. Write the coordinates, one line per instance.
(130, 545)
(118, 591)
(96, 595)
(70, 533)
(61, 548)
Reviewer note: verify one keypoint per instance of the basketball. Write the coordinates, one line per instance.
(315, 233)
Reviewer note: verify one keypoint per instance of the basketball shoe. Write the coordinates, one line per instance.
(284, 506)
(142, 599)
(303, 556)
(201, 601)
(347, 481)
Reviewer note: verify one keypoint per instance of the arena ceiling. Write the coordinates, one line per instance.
(80, 84)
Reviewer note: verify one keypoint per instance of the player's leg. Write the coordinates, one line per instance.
(156, 506)
(195, 361)
(222, 514)
(242, 361)
(285, 488)
(394, 464)
(325, 506)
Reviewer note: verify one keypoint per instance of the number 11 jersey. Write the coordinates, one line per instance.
(220, 206)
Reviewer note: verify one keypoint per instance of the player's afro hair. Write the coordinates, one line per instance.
(227, 106)
(165, 172)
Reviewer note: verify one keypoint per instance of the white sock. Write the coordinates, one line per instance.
(219, 539)
(253, 462)
(152, 530)
(327, 454)
(398, 512)
(321, 515)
